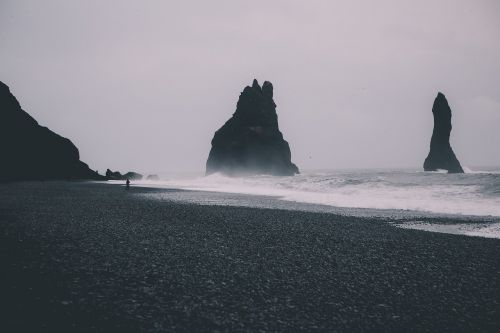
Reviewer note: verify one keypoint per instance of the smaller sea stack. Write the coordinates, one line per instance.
(441, 156)
(251, 142)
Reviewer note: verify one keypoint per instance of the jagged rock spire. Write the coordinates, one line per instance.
(250, 142)
(441, 156)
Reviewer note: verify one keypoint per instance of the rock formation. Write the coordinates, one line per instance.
(116, 175)
(133, 175)
(441, 156)
(113, 175)
(153, 177)
(32, 152)
(250, 142)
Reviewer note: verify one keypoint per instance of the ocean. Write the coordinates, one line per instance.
(472, 199)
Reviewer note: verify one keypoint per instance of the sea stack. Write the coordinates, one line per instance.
(33, 152)
(441, 156)
(117, 175)
(250, 142)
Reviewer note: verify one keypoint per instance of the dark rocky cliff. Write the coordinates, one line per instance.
(251, 142)
(441, 156)
(33, 152)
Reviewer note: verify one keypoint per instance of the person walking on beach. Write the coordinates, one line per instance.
(127, 184)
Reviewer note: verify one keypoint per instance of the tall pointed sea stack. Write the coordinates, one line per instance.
(251, 142)
(441, 156)
(32, 152)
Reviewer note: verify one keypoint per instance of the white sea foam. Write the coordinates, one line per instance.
(469, 170)
(491, 230)
(475, 194)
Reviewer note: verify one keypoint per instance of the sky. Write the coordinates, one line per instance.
(143, 85)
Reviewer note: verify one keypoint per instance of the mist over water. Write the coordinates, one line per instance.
(475, 193)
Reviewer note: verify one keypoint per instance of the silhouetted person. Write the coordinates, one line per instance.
(127, 184)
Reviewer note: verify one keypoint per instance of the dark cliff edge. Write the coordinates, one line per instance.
(33, 152)
(441, 156)
(250, 142)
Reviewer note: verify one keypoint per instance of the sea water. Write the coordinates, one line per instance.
(473, 196)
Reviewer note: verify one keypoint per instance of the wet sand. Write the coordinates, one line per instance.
(79, 257)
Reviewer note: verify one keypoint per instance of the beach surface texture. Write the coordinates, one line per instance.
(83, 256)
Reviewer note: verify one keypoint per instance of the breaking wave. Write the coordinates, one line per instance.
(474, 193)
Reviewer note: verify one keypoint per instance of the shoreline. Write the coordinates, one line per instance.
(380, 193)
(93, 257)
(455, 224)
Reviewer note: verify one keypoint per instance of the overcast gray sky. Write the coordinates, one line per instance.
(143, 85)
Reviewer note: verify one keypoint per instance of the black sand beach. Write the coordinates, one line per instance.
(79, 257)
